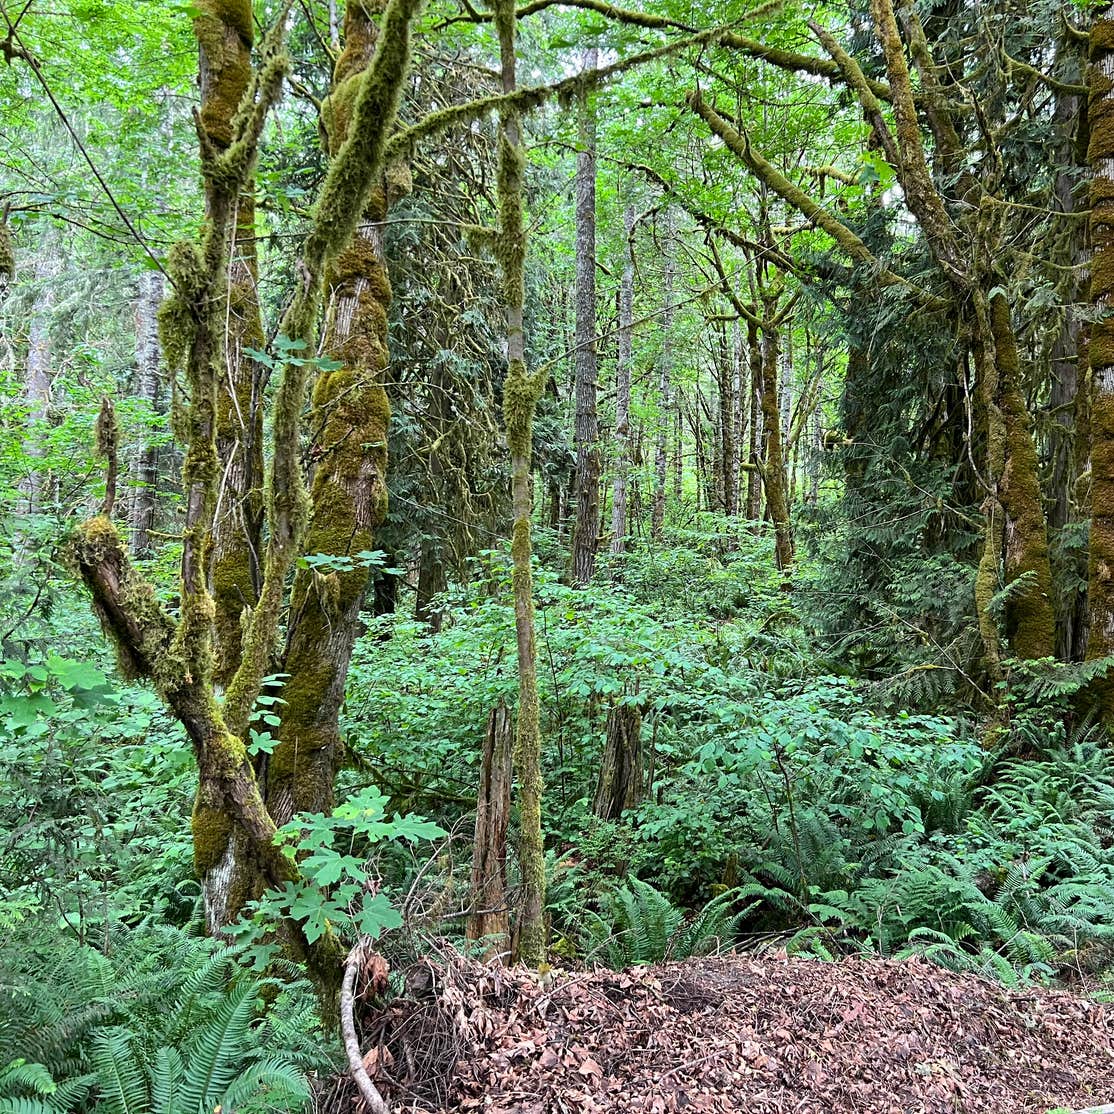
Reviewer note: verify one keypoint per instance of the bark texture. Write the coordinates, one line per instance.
(619, 494)
(621, 779)
(586, 529)
(490, 916)
(1100, 154)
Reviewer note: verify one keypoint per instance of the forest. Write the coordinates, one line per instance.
(556, 556)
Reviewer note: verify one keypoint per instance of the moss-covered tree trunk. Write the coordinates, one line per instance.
(754, 462)
(176, 654)
(773, 464)
(349, 491)
(521, 391)
(1100, 154)
(1029, 619)
(225, 36)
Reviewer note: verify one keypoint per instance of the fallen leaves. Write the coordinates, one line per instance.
(733, 1033)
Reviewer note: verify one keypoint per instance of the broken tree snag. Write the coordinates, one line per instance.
(620, 782)
(1100, 155)
(348, 496)
(490, 917)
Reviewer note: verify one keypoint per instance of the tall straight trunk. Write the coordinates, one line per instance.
(773, 465)
(619, 508)
(728, 445)
(1068, 362)
(677, 460)
(148, 389)
(1100, 155)
(665, 393)
(521, 391)
(39, 381)
(489, 918)
(586, 528)
(733, 460)
(754, 475)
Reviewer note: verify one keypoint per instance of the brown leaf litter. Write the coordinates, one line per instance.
(760, 1035)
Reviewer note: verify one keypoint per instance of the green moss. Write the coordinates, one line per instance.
(212, 828)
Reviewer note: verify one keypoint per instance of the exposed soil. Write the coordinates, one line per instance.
(736, 1033)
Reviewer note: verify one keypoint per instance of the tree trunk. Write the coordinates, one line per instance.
(225, 36)
(620, 782)
(665, 393)
(490, 915)
(773, 466)
(754, 475)
(586, 529)
(1100, 155)
(521, 392)
(1030, 622)
(619, 506)
(148, 389)
(39, 381)
(349, 493)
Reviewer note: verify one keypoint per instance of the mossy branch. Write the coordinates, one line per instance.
(532, 97)
(793, 195)
(868, 99)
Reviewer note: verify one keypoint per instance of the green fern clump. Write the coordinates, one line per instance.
(645, 927)
(167, 1025)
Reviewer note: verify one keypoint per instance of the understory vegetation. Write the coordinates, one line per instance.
(565, 485)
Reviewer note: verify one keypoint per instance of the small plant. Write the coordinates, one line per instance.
(336, 892)
(644, 926)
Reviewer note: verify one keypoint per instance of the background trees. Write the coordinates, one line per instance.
(713, 399)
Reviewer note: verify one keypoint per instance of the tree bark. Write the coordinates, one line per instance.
(148, 389)
(620, 782)
(619, 503)
(225, 35)
(665, 392)
(1100, 155)
(490, 916)
(773, 465)
(757, 433)
(586, 529)
(39, 380)
(521, 391)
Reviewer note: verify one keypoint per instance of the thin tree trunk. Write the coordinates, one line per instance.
(148, 389)
(521, 392)
(619, 508)
(39, 380)
(738, 420)
(490, 915)
(665, 393)
(773, 467)
(586, 529)
(754, 475)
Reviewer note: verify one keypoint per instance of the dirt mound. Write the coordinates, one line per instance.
(739, 1033)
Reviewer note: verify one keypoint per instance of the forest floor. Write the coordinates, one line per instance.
(740, 1033)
